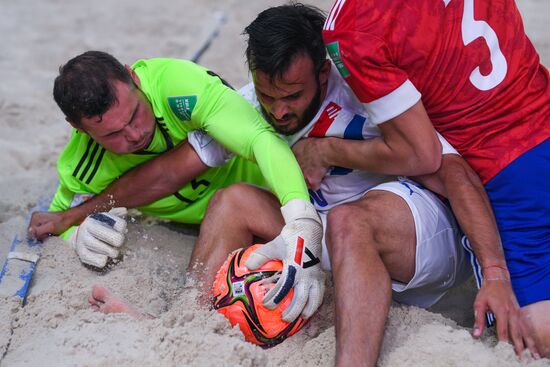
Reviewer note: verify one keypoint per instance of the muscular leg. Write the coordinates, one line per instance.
(236, 217)
(537, 317)
(370, 241)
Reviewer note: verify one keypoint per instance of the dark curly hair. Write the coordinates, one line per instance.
(279, 34)
(84, 86)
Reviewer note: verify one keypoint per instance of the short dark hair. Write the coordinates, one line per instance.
(279, 34)
(84, 86)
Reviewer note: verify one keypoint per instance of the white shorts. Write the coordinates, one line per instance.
(441, 261)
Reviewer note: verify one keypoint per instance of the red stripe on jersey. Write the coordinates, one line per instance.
(299, 250)
(325, 120)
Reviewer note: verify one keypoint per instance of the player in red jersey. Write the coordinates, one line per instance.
(467, 68)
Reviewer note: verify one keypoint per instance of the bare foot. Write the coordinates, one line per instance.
(104, 301)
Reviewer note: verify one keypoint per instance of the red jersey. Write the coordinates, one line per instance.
(470, 61)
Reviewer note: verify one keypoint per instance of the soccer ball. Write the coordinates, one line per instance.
(238, 294)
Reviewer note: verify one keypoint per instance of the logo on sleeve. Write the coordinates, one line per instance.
(334, 53)
(182, 106)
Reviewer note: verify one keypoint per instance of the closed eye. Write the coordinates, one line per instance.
(293, 96)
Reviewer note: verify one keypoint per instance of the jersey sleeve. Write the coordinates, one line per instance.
(365, 62)
(201, 99)
(238, 126)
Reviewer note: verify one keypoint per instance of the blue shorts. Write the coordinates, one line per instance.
(520, 196)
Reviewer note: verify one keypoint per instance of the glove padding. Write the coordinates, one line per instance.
(98, 237)
(299, 247)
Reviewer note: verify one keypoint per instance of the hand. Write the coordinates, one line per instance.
(44, 224)
(496, 295)
(310, 158)
(99, 236)
(299, 247)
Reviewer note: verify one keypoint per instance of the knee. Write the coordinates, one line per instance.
(344, 223)
(229, 198)
(340, 218)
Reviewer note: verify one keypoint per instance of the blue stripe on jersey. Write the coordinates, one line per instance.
(340, 171)
(354, 131)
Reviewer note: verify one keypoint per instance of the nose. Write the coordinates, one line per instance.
(132, 134)
(279, 110)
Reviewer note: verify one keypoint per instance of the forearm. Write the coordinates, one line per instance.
(461, 185)
(280, 169)
(371, 155)
(144, 184)
(407, 146)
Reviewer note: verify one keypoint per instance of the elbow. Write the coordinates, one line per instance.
(425, 162)
(432, 162)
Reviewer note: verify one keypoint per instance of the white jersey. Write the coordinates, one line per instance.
(341, 115)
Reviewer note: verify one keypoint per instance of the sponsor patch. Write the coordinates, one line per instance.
(182, 106)
(333, 50)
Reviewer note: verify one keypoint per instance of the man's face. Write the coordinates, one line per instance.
(128, 126)
(290, 102)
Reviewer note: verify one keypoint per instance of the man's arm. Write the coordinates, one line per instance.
(461, 185)
(408, 146)
(396, 153)
(142, 185)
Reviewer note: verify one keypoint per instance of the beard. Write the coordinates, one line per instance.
(301, 121)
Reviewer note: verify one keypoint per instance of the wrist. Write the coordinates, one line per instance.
(74, 216)
(496, 272)
(325, 149)
(299, 209)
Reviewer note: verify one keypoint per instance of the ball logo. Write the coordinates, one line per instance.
(238, 289)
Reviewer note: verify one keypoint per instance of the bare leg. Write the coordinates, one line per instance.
(537, 317)
(370, 241)
(101, 299)
(236, 217)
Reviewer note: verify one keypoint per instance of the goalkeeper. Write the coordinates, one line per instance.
(124, 116)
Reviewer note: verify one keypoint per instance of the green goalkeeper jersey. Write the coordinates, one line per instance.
(185, 97)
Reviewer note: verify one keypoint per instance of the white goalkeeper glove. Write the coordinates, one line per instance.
(98, 237)
(299, 247)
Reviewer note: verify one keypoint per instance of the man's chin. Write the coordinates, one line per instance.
(287, 129)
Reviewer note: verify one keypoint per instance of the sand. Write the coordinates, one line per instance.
(57, 327)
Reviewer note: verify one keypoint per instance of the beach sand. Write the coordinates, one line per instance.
(57, 326)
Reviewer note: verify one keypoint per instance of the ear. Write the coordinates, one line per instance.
(325, 71)
(133, 74)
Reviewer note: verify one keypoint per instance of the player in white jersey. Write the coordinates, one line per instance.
(385, 235)
(341, 115)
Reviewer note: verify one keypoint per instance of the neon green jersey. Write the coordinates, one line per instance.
(185, 97)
